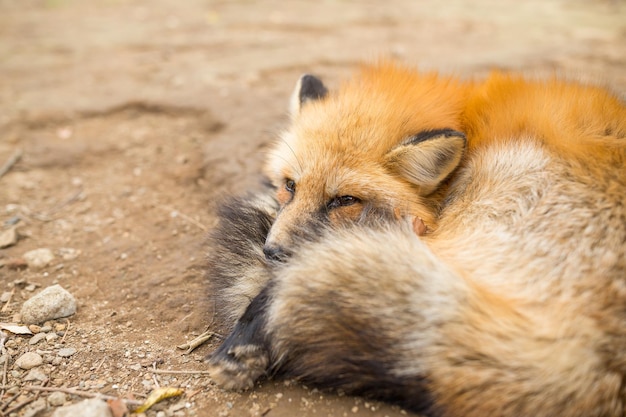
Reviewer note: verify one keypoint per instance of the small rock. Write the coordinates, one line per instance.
(87, 408)
(34, 328)
(69, 254)
(37, 338)
(38, 258)
(13, 220)
(51, 337)
(56, 399)
(51, 303)
(5, 297)
(66, 352)
(46, 329)
(8, 237)
(35, 375)
(29, 360)
(35, 408)
(13, 390)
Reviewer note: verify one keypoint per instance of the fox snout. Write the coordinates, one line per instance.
(275, 253)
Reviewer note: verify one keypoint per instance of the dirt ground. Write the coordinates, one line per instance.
(134, 117)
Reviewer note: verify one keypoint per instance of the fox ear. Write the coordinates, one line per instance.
(427, 158)
(308, 88)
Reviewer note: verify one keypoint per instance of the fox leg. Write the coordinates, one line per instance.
(318, 320)
(244, 356)
(237, 269)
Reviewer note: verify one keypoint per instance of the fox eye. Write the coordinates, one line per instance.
(343, 201)
(290, 185)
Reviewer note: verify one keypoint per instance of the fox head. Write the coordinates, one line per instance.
(385, 140)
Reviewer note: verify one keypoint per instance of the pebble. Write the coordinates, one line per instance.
(35, 375)
(38, 258)
(57, 399)
(66, 352)
(51, 303)
(69, 254)
(5, 297)
(35, 408)
(13, 390)
(8, 237)
(29, 360)
(37, 338)
(88, 408)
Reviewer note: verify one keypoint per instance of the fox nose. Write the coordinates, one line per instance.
(274, 253)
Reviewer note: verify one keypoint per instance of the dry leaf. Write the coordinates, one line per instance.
(158, 395)
(15, 329)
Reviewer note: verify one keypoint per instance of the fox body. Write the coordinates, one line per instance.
(512, 303)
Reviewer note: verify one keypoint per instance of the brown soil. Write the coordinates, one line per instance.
(136, 117)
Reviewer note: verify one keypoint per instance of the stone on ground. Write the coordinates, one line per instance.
(52, 303)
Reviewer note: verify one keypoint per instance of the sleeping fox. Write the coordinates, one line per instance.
(455, 247)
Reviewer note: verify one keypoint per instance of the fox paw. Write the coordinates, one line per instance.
(238, 367)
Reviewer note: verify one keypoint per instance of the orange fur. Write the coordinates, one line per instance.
(570, 118)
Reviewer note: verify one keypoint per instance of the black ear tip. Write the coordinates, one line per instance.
(436, 133)
(311, 88)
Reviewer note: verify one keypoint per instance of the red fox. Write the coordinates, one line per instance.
(511, 301)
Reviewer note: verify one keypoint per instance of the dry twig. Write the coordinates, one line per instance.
(100, 364)
(67, 329)
(18, 406)
(3, 351)
(9, 401)
(80, 393)
(167, 371)
(10, 162)
(46, 216)
(185, 217)
(191, 345)
(6, 305)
